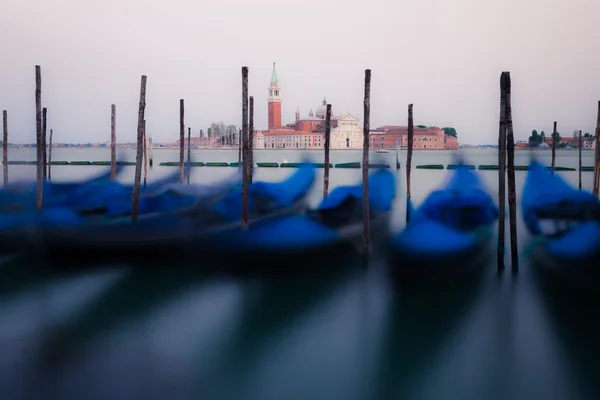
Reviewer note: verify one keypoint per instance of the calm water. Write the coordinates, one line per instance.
(121, 333)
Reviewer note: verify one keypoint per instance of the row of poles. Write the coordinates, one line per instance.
(245, 155)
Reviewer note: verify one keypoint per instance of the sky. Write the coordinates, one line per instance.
(443, 56)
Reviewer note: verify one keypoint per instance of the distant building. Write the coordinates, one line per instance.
(430, 138)
(346, 130)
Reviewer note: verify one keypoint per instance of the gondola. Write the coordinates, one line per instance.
(73, 202)
(332, 230)
(173, 232)
(449, 235)
(565, 223)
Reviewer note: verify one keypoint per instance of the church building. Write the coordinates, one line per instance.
(346, 130)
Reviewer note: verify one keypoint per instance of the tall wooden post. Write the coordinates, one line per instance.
(140, 151)
(580, 150)
(181, 139)
(113, 142)
(327, 139)
(597, 156)
(189, 155)
(502, 172)
(409, 158)
(365, 164)
(554, 148)
(145, 156)
(5, 146)
(38, 127)
(250, 140)
(44, 157)
(50, 157)
(240, 148)
(512, 193)
(245, 177)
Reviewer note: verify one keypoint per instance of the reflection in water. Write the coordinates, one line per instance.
(574, 316)
(420, 320)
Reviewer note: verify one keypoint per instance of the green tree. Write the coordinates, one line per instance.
(534, 139)
(421, 126)
(450, 131)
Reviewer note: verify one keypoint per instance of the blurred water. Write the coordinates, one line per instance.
(187, 333)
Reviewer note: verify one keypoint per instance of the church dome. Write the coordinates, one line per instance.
(322, 109)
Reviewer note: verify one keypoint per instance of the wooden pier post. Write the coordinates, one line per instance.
(365, 166)
(502, 172)
(181, 139)
(113, 142)
(596, 187)
(145, 156)
(44, 149)
(5, 146)
(240, 148)
(250, 140)
(580, 150)
(38, 128)
(409, 158)
(189, 155)
(140, 151)
(554, 148)
(244, 141)
(326, 145)
(50, 157)
(512, 193)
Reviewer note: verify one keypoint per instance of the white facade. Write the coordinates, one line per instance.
(258, 140)
(348, 134)
(293, 140)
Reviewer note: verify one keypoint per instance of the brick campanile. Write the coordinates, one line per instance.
(274, 101)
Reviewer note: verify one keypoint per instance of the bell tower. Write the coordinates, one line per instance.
(274, 101)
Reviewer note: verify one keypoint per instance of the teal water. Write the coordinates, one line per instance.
(183, 333)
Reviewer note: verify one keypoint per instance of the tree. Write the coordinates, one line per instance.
(587, 135)
(231, 133)
(421, 126)
(534, 139)
(558, 137)
(450, 131)
(542, 137)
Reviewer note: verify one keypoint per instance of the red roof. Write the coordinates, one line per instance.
(277, 132)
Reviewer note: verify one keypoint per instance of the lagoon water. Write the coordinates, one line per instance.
(122, 333)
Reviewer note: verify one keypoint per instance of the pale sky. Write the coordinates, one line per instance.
(445, 56)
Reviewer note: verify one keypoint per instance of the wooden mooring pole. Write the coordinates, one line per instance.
(50, 157)
(365, 166)
(44, 149)
(189, 154)
(240, 148)
(326, 145)
(181, 139)
(502, 172)
(5, 146)
(113, 142)
(580, 150)
(140, 151)
(597, 156)
(512, 193)
(409, 158)
(38, 128)
(244, 140)
(554, 148)
(250, 140)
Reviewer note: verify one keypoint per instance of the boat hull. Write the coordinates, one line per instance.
(430, 251)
